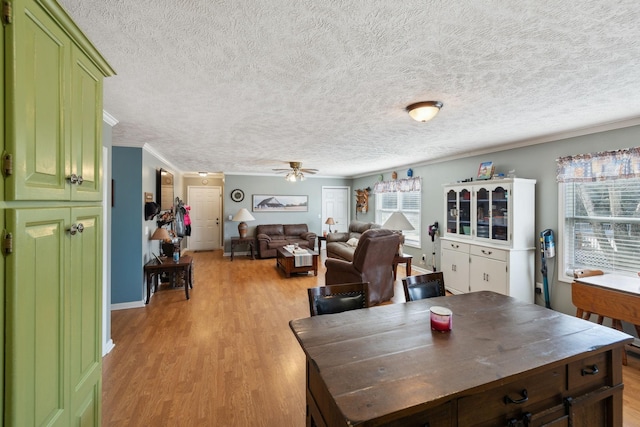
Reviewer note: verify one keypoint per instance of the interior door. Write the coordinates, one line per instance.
(205, 215)
(335, 204)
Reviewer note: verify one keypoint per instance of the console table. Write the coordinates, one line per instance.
(505, 362)
(249, 241)
(153, 269)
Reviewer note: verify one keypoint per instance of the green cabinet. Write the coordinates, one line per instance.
(55, 126)
(51, 206)
(53, 300)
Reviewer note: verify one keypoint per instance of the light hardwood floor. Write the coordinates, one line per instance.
(227, 356)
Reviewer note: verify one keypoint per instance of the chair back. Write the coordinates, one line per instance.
(424, 286)
(338, 298)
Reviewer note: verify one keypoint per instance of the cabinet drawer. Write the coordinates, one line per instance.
(497, 254)
(455, 246)
(491, 407)
(441, 416)
(587, 374)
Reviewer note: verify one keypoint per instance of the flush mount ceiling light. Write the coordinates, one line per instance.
(424, 111)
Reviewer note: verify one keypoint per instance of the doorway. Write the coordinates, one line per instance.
(335, 204)
(205, 215)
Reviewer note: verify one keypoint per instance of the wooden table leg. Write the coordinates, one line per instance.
(149, 275)
(232, 245)
(187, 280)
(408, 267)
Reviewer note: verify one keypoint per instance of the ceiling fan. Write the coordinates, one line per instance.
(296, 173)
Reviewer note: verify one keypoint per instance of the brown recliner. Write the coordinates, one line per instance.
(372, 262)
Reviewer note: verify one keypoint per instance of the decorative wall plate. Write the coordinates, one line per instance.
(237, 195)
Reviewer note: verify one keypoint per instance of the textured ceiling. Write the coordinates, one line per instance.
(245, 86)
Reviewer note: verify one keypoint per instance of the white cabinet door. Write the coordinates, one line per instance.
(455, 268)
(488, 274)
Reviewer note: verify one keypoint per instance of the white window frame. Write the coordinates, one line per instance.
(413, 238)
(564, 269)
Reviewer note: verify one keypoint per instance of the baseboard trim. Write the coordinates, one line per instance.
(108, 346)
(127, 305)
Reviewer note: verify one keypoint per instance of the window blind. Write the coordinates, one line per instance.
(602, 225)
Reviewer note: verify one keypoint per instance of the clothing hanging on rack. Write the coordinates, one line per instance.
(187, 221)
(179, 221)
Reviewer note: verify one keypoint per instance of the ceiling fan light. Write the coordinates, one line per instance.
(424, 111)
(291, 177)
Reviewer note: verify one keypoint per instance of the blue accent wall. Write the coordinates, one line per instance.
(126, 218)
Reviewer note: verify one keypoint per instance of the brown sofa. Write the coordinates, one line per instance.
(273, 236)
(372, 262)
(337, 246)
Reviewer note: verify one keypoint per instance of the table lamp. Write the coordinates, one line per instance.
(161, 234)
(398, 222)
(242, 216)
(330, 222)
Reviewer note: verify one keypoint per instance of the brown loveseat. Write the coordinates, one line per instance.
(337, 246)
(273, 236)
(372, 262)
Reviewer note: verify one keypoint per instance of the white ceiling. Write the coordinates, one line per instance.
(244, 86)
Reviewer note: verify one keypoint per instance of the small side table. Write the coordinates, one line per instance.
(153, 269)
(402, 259)
(249, 241)
(320, 240)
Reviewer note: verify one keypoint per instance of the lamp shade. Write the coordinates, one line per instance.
(330, 221)
(397, 221)
(161, 234)
(242, 216)
(424, 111)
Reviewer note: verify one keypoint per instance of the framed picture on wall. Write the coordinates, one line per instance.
(280, 203)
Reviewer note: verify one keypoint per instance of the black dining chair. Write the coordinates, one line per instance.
(338, 298)
(423, 286)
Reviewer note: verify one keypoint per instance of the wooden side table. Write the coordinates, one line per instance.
(153, 269)
(320, 240)
(402, 259)
(249, 241)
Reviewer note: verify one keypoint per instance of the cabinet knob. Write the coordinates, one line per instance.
(76, 179)
(76, 228)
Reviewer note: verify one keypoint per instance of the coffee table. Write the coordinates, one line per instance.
(285, 261)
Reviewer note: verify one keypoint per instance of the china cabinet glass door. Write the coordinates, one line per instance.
(492, 213)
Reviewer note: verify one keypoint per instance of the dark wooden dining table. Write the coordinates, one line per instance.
(504, 361)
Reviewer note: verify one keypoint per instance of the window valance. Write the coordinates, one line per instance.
(398, 185)
(605, 165)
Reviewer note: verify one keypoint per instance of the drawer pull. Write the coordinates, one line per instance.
(593, 371)
(487, 252)
(525, 397)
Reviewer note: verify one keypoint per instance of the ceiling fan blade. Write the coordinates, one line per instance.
(309, 171)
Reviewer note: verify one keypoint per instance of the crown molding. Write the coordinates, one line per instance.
(109, 119)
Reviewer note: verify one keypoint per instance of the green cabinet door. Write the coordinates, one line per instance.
(37, 323)
(86, 127)
(85, 310)
(37, 56)
(54, 314)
